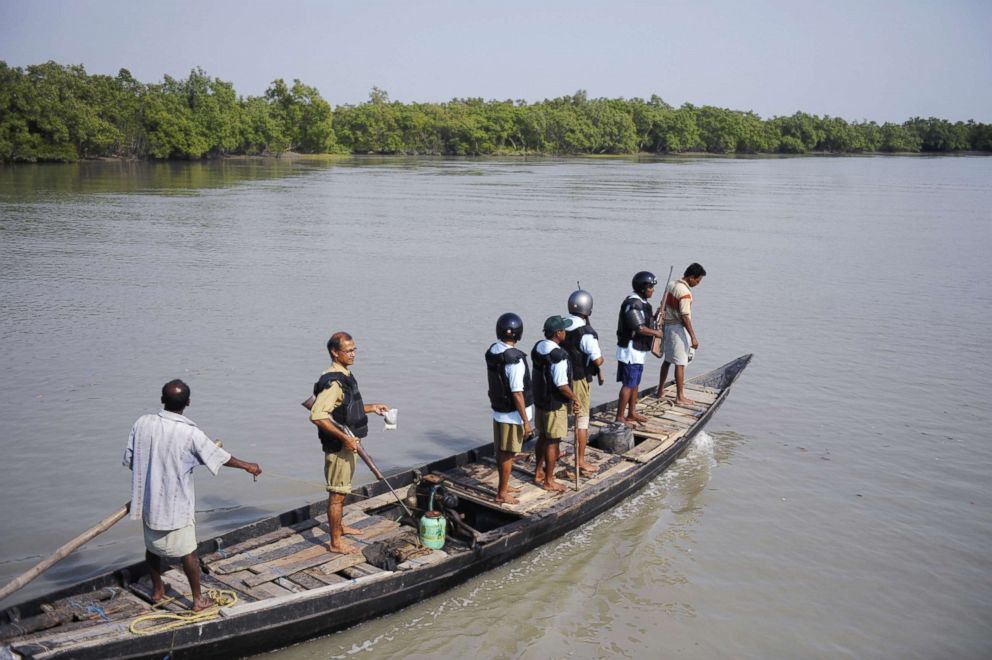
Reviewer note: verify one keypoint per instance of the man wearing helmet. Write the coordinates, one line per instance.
(582, 345)
(511, 399)
(634, 333)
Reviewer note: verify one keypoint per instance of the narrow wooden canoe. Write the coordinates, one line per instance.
(290, 588)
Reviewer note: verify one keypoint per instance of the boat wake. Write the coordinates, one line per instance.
(671, 492)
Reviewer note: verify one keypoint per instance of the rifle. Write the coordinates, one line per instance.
(659, 317)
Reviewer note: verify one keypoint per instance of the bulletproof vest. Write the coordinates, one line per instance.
(351, 412)
(547, 396)
(581, 367)
(627, 331)
(500, 396)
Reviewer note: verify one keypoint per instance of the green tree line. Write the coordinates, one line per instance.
(51, 112)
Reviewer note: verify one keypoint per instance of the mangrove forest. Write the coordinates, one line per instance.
(53, 112)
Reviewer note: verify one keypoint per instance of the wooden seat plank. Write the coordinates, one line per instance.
(290, 585)
(336, 564)
(649, 454)
(262, 591)
(326, 578)
(259, 541)
(304, 579)
(281, 548)
(643, 447)
(361, 569)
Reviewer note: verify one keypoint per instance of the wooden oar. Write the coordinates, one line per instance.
(62, 552)
(75, 543)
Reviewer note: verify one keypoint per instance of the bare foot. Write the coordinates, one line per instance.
(626, 421)
(588, 467)
(354, 531)
(202, 603)
(638, 418)
(553, 486)
(158, 595)
(682, 401)
(344, 548)
(507, 499)
(539, 479)
(513, 489)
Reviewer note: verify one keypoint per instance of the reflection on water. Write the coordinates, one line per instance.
(31, 182)
(842, 508)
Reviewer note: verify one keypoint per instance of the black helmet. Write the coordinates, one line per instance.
(580, 302)
(509, 326)
(642, 281)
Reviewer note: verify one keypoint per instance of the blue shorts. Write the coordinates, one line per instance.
(629, 374)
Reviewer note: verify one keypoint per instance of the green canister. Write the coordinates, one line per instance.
(432, 529)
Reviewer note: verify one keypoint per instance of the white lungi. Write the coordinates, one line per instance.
(676, 345)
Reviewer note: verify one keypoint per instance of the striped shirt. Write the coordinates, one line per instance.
(161, 453)
(678, 302)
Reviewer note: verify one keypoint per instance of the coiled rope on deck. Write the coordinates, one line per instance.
(172, 620)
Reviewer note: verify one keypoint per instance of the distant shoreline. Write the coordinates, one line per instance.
(57, 113)
(687, 155)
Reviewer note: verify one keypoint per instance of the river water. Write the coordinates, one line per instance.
(838, 506)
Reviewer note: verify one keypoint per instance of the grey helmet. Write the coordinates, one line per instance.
(509, 326)
(642, 281)
(580, 302)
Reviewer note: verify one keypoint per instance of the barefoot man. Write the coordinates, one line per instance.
(339, 406)
(679, 333)
(161, 453)
(553, 397)
(511, 399)
(584, 353)
(634, 333)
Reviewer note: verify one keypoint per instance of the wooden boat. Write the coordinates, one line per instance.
(289, 587)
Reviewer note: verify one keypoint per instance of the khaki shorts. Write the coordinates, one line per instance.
(554, 423)
(171, 542)
(339, 468)
(508, 437)
(582, 394)
(676, 345)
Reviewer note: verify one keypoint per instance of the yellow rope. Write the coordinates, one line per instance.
(173, 620)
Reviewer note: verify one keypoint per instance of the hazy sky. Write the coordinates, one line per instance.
(883, 60)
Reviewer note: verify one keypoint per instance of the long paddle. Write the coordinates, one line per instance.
(66, 549)
(308, 404)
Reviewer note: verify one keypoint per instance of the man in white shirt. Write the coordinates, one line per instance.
(161, 453)
(511, 398)
(584, 353)
(634, 333)
(554, 399)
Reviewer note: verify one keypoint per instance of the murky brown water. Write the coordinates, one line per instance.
(839, 505)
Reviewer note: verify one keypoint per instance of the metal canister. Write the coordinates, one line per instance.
(433, 527)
